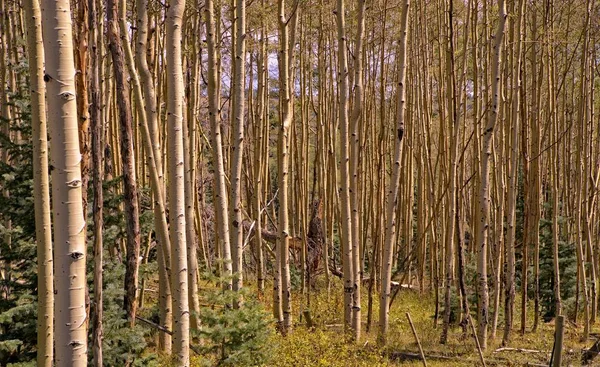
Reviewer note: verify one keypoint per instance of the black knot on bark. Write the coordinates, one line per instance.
(76, 255)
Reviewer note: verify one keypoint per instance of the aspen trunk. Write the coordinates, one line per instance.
(282, 283)
(181, 313)
(451, 215)
(154, 157)
(128, 163)
(81, 85)
(41, 187)
(517, 37)
(579, 176)
(484, 192)
(261, 96)
(97, 127)
(346, 214)
(189, 162)
(356, 119)
(69, 223)
(220, 191)
(394, 184)
(237, 148)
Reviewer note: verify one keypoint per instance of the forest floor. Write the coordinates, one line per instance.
(325, 345)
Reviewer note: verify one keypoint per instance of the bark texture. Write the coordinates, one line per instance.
(68, 216)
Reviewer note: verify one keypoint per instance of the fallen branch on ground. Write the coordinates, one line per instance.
(522, 350)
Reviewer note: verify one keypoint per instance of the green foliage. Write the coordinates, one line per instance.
(233, 336)
(123, 346)
(568, 271)
(323, 349)
(114, 215)
(18, 303)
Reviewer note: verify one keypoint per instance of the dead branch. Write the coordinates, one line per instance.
(521, 350)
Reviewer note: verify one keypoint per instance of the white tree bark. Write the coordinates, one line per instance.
(237, 239)
(393, 189)
(346, 214)
(216, 141)
(69, 224)
(41, 187)
(175, 110)
(484, 189)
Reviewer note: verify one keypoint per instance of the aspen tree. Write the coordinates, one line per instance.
(452, 115)
(585, 192)
(220, 191)
(69, 223)
(528, 182)
(394, 185)
(128, 164)
(157, 176)
(581, 259)
(461, 211)
(9, 114)
(81, 84)
(554, 172)
(259, 164)
(97, 132)
(484, 192)
(354, 195)
(323, 143)
(588, 181)
(145, 114)
(517, 39)
(41, 186)
(181, 313)
(189, 162)
(303, 159)
(282, 284)
(346, 214)
(237, 147)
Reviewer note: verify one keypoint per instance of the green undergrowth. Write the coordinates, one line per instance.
(325, 344)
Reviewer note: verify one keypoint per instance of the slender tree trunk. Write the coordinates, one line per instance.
(356, 119)
(154, 157)
(259, 163)
(517, 37)
(97, 127)
(220, 191)
(452, 115)
(237, 148)
(346, 214)
(181, 313)
(282, 284)
(394, 185)
(69, 223)
(81, 84)
(484, 192)
(189, 146)
(128, 162)
(41, 186)
(579, 212)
